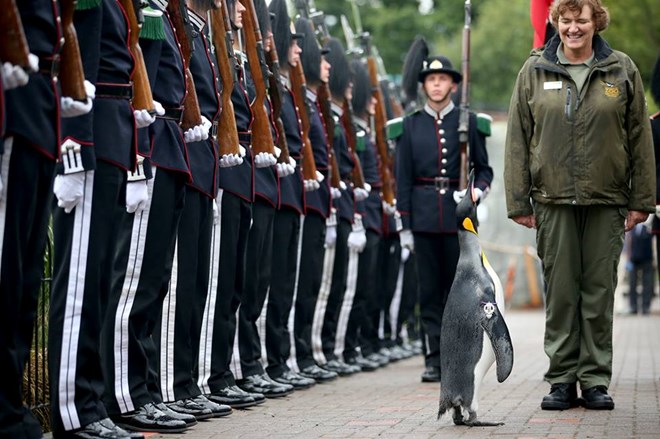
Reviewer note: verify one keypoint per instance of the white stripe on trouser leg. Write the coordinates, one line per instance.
(208, 318)
(292, 361)
(395, 305)
(167, 323)
(74, 305)
(261, 325)
(5, 159)
(129, 289)
(322, 304)
(235, 362)
(347, 303)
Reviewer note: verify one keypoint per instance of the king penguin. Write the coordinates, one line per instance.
(474, 333)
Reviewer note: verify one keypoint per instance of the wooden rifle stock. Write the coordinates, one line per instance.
(13, 45)
(351, 139)
(381, 136)
(262, 137)
(464, 117)
(142, 97)
(72, 75)
(276, 101)
(228, 142)
(179, 15)
(299, 87)
(323, 96)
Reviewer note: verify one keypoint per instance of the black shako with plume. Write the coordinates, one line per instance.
(340, 72)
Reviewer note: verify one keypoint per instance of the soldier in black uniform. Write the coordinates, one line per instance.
(427, 174)
(30, 146)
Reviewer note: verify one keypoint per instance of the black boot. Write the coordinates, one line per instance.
(596, 398)
(562, 396)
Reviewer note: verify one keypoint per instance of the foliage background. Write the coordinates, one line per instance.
(501, 36)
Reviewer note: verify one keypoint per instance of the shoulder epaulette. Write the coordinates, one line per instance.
(152, 28)
(360, 141)
(83, 5)
(484, 122)
(394, 128)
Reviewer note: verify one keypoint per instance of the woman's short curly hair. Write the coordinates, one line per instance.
(601, 16)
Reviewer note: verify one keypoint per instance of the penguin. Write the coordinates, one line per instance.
(473, 333)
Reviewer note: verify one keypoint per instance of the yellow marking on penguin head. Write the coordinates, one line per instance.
(467, 225)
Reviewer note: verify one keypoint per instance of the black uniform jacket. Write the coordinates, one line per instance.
(32, 111)
(345, 204)
(428, 168)
(318, 201)
(371, 209)
(292, 194)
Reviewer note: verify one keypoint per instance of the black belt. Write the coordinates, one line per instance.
(440, 184)
(245, 137)
(50, 66)
(106, 90)
(175, 114)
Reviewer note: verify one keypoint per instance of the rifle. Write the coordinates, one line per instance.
(262, 137)
(228, 142)
(72, 75)
(464, 117)
(351, 139)
(276, 101)
(13, 47)
(299, 88)
(142, 97)
(179, 15)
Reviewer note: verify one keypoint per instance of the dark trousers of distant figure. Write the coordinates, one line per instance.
(258, 256)
(235, 217)
(409, 300)
(282, 285)
(641, 271)
(437, 256)
(183, 306)
(24, 210)
(309, 284)
(84, 244)
(388, 265)
(337, 290)
(143, 266)
(362, 328)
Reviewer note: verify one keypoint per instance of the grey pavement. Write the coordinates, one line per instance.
(392, 402)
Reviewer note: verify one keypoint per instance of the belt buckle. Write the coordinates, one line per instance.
(441, 184)
(214, 130)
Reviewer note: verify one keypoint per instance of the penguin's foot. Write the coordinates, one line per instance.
(475, 423)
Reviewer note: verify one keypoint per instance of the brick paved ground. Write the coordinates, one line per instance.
(393, 403)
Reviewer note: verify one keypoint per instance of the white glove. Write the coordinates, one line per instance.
(242, 150)
(206, 126)
(406, 239)
(286, 169)
(357, 240)
(342, 186)
(657, 210)
(69, 107)
(264, 160)
(405, 254)
(229, 160)
(216, 213)
(335, 193)
(360, 193)
(143, 118)
(311, 185)
(330, 236)
(136, 196)
(69, 188)
(319, 177)
(198, 132)
(388, 208)
(458, 195)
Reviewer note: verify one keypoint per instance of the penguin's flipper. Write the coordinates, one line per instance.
(498, 332)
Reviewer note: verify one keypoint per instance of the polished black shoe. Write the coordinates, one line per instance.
(218, 410)
(596, 398)
(293, 379)
(264, 385)
(431, 374)
(364, 364)
(190, 420)
(341, 368)
(190, 407)
(102, 429)
(380, 359)
(233, 396)
(562, 396)
(318, 374)
(150, 418)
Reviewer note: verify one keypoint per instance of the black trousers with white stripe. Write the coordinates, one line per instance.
(337, 290)
(257, 282)
(143, 266)
(309, 284)
(362, 324)
(183, 306)
(225, 293)
(84, 244)
(25, 205)
(389, 264)
(286, 231)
